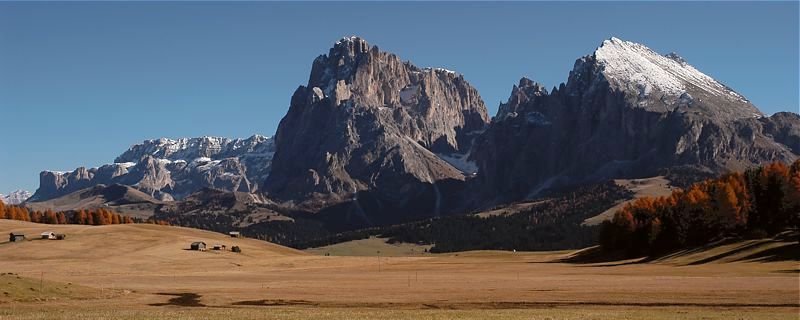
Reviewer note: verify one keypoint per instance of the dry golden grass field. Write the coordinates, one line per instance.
(372, 246)
(146, 272)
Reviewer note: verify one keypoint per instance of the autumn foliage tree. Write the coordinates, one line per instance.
(98, 216)
(79, 217)
(761, 201)
(791, 203)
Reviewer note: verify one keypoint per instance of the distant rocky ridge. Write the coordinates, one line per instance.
(15, 197)
(369, 124)
(172, 169)
(625, 111)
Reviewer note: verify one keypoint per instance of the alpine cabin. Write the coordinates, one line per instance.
(198, 246)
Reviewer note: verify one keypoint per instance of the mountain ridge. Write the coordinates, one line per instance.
(172, 169)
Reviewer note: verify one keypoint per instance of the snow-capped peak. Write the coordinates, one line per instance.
(636, 68)
(15, 197)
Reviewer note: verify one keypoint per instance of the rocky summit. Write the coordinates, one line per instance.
(369, 124)
(625, 111)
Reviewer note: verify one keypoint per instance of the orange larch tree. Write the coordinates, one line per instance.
(61, 218)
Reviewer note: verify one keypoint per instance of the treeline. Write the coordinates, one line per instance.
(99, 217)
(757, 203)
(550, 225)
(287, 233)
(95, 217)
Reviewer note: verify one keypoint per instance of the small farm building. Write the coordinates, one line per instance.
(198, 245)
(14, 237)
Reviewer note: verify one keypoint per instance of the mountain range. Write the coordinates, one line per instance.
(371, 139)
(169, 169)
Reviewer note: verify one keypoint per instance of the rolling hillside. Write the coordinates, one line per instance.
(147, 246)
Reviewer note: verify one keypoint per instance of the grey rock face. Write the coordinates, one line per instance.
(783, 128)
(172, 169)
(367, 121)
(625, 111)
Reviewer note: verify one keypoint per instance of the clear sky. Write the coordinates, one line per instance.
(81, 82)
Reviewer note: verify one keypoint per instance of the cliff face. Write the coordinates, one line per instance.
(368, 122)
(625, 111)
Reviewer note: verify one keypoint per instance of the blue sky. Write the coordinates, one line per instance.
(81, 82)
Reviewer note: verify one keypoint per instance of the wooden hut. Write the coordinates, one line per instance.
(16, 237)
(199, 245)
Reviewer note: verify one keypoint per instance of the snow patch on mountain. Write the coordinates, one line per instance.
(126, 165)
(207, 164)
(460, 162)
(440, 70)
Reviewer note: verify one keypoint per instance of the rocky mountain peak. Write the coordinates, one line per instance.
(521, 94)
(367, 119)
(338, 66)
(530, 88)
(349, 47)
